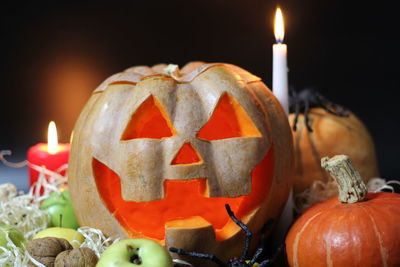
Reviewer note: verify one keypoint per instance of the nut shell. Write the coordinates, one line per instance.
(78, 257)
(45, 250)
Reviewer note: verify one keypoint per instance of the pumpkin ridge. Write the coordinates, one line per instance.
(329, 261)
(297, 239)
(132, 77)
(336, 119)
(354, 124)
(317, 156)
(382, 249)
(299, 158)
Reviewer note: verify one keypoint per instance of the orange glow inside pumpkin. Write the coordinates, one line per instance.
(184, 199)
(187, 155)
(148, 121)
(228, 120)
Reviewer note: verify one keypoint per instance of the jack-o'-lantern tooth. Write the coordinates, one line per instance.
(196, 229)
(149, 121)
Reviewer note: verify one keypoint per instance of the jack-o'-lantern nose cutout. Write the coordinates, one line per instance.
(187, 155)
(149, 121)
(228, 120)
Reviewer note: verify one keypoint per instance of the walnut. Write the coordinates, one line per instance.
(78, 257)
(45, 250)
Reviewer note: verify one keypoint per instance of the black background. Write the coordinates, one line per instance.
(53, 54)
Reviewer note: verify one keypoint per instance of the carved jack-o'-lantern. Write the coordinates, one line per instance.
(158, 156)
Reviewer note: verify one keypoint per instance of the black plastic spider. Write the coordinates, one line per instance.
(301, 102)
(237, 261)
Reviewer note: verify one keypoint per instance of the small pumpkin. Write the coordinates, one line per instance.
(157, 154)
(358, 229)
(325, 130)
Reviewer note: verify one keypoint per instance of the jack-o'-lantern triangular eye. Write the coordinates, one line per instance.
(149, 121)
(228, 120)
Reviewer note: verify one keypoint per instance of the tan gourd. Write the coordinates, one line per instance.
(158, 152)
(331, 135)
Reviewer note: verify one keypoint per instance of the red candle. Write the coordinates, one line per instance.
(51, 155)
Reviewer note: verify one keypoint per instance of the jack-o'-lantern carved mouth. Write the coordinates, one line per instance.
(183, 199)
(145, 201)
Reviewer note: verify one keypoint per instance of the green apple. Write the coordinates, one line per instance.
(15, 235)
(135, 252)
(59, 206)
(66, 233)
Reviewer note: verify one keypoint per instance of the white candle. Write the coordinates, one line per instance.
(280, 90)
(279, 64)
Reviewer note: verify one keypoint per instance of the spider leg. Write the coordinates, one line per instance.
(197, 255)
(293, 97)
(292, 91)
(261, 247)
(273, 258)
(337, 113)
(331, 107)
(323, 100)
(256, 255)
(296, 114)
(307, 119)
(244, 228)
(264, 263)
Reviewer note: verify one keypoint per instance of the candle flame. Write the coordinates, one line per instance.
(52, 139)
(279, 27)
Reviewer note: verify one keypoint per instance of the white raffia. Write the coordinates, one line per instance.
(182, 262)
(33, 261)
(22, 210)
(378, 185)
(48, 182)
(95, 240)
(23, 213)
(11, 164)
(320, 191)
(13, 255)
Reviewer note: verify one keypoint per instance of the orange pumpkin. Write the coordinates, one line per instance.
(351, 231)
(158, 155)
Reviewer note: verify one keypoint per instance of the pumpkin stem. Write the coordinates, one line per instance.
(351, 187)
(173, 70)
